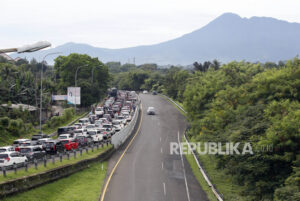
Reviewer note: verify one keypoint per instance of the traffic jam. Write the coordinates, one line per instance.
(96, 128)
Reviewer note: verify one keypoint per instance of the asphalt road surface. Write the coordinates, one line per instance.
(148, 172)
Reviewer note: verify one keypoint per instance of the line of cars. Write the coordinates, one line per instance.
(98, 127)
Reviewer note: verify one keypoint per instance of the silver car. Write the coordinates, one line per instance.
(151, 111)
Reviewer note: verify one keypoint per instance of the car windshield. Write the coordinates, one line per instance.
(65, 141)
(2, 150)
(106, 126)
(49, 143)
(25, 150)
(3, 155)
(63, 137)
(92, 133)
(90, 126)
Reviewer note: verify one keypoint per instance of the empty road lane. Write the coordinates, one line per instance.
(148, 172)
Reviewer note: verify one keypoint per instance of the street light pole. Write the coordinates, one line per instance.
(93, 72)
(76, 83)
(41, 95)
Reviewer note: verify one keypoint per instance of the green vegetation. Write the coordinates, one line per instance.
(20, 83)
(41, 168)
(93, 79)
(237, 102)
(243, 102)
(190, 158)
(85, 185)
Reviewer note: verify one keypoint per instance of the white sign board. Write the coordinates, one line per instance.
(74, 95)
(59, 97)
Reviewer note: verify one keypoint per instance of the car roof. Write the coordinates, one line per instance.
(30, 147)
(9, 152)
(6, 147)
(22, 140)
(67, 134)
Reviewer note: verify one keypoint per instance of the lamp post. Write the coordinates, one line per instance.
(41, 95)
(28, 48)
(93, 73)
(76, 82)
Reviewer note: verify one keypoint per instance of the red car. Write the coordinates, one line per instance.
(70, 144)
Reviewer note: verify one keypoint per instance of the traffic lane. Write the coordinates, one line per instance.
(148, 171)
(139, 172)
(175, 170)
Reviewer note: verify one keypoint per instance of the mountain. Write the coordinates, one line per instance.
(228, 37)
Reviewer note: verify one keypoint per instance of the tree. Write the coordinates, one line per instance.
(65, 68)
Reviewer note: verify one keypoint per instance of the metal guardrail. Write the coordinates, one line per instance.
(205, 176)
(120, 137)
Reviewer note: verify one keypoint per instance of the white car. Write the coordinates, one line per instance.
(7, 149)
(96, 135)
(8, 159)
(84, 121)
(81, 131)
(43, 140)
(109, 127)
(65, 136)
(122, 118)
(145, 92)
(150, 111)
(90, 127)
(99, 111)
(78, 125)
(16, 143)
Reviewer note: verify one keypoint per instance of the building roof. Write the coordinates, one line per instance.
(24, 107)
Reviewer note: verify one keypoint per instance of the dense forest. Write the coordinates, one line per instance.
(237, 102)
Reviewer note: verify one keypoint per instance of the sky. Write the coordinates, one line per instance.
(123, 23)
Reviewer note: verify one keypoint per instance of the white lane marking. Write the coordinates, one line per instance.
(162, 165)
(160, 139)
(161, 150)
(185, 180)
(164, 188)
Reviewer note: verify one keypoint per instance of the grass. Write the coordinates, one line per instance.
(221, 179)
(52, 130)
(8, 139)
(85, 185)
(191, 160)
(180, 104)
(41, 168)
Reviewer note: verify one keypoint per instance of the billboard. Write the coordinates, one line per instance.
(74, 95)
(59, 97)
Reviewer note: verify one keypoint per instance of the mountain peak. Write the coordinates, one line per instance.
(229, 15)
(228, 37)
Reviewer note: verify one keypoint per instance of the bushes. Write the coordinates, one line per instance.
(60, 120)
(13, 128)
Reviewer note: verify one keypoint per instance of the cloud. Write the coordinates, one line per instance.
(119, 23)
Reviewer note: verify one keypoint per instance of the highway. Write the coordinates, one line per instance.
(147, 171)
